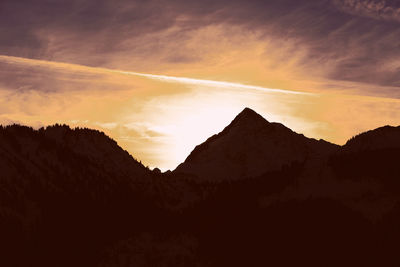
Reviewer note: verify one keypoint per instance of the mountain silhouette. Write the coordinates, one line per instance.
(380, 138)
(58, 151)
(251, 146)
(256, 194)
(371, 156)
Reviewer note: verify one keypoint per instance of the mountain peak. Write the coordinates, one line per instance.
(247, 121)
(248, 111)
(249, 147)
(248, 114)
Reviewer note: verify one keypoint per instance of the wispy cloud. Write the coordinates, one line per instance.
(348, 40)
(216, 84)
(165, 78)
(377, 9)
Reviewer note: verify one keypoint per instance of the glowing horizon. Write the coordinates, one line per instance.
(160, 119)
(160, 83)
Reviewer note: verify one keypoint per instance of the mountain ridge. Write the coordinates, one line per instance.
(51, 132)
(379, 138)
(73, 197)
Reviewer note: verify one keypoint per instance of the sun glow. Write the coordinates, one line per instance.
(170, 119)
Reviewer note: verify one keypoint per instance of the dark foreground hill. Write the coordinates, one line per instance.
(257, 194)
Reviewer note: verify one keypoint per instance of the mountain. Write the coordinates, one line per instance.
(380, 138)
(60, 188)
(371, 156)
(77, 156)
(256, 194)
(249, 147)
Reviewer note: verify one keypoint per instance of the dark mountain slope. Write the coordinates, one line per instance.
(371, 156)
(74, 198)
(58, 150)
(380, 138)
(251, 146)
(66, 191)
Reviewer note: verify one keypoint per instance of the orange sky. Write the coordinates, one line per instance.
(160, 119)
(161, 77)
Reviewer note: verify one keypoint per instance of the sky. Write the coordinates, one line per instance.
(160, 77)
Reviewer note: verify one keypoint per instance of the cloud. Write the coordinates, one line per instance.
(41, 73)
(377, 9)
(338, 39)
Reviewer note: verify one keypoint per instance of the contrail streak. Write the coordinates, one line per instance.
(210, 83)
(165, 78)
